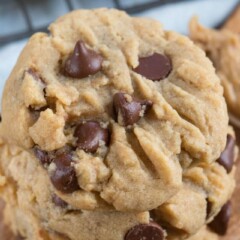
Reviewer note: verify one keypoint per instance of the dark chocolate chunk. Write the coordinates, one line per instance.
(226, 158)
(64, 176)
(58, 201)
(219, 224)
(127, 109)
(154, 67)
(151, 231)
(42, 156)
(82, 62)
(89, 135)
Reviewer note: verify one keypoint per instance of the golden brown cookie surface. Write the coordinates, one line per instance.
(223, 49)
(111, 116)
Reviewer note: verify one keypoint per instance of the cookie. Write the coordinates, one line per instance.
(6, 234)
(223, 48)
(105, 101)
(35, 211)
(108, 123)
(233, 20)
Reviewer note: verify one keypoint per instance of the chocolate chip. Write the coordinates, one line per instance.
(220, 223)
(154, 67)
(151, 231)
(82, 62)
(42, 156)
(64, 176)
(0, 117)
(90, 135)
(127, 109)
(58, 201)
(226, 158)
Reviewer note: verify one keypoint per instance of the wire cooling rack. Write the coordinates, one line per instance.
(21, 18)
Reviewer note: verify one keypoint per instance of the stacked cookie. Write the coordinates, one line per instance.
(114, 129)
(223, 48)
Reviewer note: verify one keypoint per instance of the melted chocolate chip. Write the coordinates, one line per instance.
(151, 231)
(42, 156)
(82, 62)
(64, 176)
(226, 158)
(127, 109)
(220, 223)
(154, 67)
(89, 135)
(58, 201)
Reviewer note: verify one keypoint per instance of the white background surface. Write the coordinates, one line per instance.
(173, 16)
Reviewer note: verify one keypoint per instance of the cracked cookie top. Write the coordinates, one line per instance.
(115, 109)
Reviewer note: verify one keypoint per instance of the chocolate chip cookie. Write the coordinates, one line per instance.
(223, 48)
(35, 210)
(109, 124)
